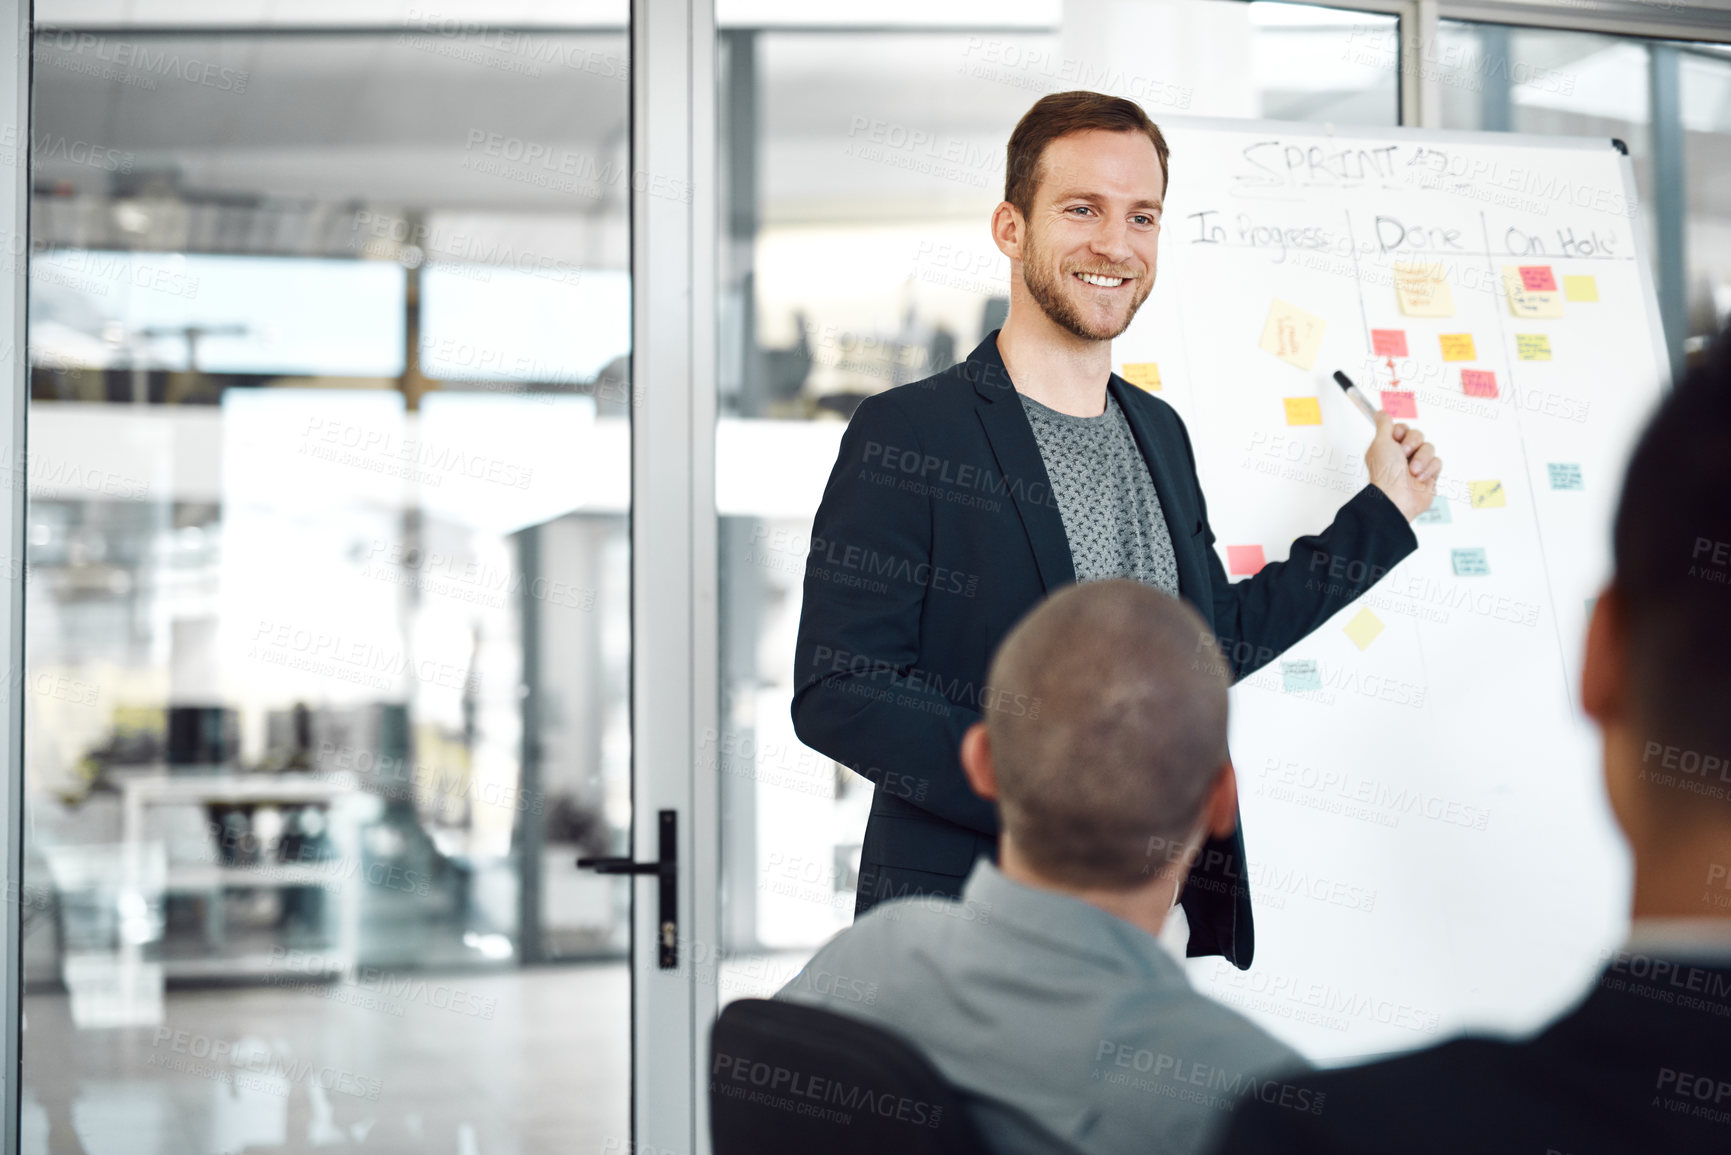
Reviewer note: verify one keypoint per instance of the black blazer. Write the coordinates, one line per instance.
(938, 530)
(1641, 1064)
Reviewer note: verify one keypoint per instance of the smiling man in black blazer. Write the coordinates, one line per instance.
(957, 502)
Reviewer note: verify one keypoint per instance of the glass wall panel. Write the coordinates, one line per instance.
(1705, 80)
(1541, 80)
(328, 605)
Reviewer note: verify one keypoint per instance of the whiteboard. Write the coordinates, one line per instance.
(1430, 849)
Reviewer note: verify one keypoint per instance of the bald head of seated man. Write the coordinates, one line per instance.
(1642, 1061)
(1043, 994)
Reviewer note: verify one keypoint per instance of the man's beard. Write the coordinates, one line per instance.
(1047, 289)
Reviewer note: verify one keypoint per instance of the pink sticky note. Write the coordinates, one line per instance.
(1243, 559)
(1478, 383)
(1538, 279)
(1398, 403)
(1388, 342)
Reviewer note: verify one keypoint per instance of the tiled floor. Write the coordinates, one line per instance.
(530, 1063)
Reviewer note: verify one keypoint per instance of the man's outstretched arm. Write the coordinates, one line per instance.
(1257, 619)
(860, 694)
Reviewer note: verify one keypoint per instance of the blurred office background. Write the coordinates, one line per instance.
(328, 614)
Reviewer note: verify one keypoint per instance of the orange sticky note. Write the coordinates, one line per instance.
(1142, 374)
(1458, 347)
(1302, 411)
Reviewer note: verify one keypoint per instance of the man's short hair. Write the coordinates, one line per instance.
(1060, 114)
(1107, 723)
(1672, 550)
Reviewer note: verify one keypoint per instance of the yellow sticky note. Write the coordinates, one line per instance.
(1525, 302)
(1487, 494)
(1582, 288)
(1363, 628)
(1142, 374)
(1292, 334)
(1533, 346)
(1458, 347)
(1423, 291)
(1302, 411)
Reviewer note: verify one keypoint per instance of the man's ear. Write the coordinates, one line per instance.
(977, 762)
(1008, 230)
(1220, 811)
(1602, 663)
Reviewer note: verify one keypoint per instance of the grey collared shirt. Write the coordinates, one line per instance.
(1064, 1028)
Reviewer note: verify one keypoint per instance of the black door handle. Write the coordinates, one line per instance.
(625, 866)
(667, 868)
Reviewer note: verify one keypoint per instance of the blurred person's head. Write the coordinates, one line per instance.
(1084, 185)
(1103, 741)
(1657, 670)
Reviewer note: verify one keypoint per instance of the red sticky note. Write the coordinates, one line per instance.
(1538, 279)
(1478, 383)
(1388, 342)
(1243, 559)
(1398, 403)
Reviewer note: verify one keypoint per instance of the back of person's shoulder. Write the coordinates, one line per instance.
(1181, 1033)
(922, 918)
(1426, 1080)
(1464, 1094)
(900, 940)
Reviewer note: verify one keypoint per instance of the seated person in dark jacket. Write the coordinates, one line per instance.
(1044, 996)
(1643, 1062)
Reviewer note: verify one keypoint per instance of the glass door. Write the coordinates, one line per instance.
(334, 574)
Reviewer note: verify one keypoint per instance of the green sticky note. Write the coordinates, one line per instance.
(1533, 346)
(1300, 677)
(1470, 562)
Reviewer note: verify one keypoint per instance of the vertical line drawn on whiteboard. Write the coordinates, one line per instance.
(1418, 643)
(1364, 318)
(1358, 279)
(1526, 466)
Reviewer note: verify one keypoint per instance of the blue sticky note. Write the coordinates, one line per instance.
(1469, 562)
(1300, 677)
(1564, 474)
(1437, 514)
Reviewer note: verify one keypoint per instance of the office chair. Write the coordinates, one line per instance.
(790, 1079)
